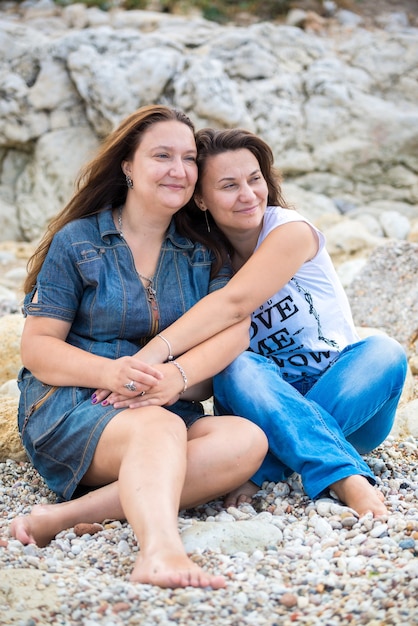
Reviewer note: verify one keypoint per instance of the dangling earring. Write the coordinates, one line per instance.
(129, 181)
(207, 221)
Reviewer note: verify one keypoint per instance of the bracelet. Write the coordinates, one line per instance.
(170, 355)
(183, 374)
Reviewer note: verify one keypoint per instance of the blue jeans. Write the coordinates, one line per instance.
(320, 431)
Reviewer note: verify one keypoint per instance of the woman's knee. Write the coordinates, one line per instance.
(397, 355)
(383, 344)
(250, 434)
(390, 352)
(160, 420)
(251, 444)
(238, 435)
(133, 425)
(126, 434)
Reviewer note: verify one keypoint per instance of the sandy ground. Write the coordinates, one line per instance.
(31, 598)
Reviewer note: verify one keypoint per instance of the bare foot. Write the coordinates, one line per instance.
(241, 495)
(39, 527)
(173, 569)
(357, 493)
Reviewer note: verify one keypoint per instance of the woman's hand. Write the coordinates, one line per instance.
(164, 392)
(123, 373)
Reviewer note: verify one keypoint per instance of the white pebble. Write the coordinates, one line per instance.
(379, 530)
(322, 528)
(123, 547)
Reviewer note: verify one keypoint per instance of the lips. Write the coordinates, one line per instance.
(174, 186)
(248, 211)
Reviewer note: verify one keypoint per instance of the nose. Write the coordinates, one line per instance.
(247, 193)
(177, 169)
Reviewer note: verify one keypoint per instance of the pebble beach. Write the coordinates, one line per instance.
(312, 562)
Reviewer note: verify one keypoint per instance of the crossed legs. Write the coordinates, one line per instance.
(151, 467)
(321, 435)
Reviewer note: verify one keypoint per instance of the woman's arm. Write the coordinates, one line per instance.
(277, 259)
(46, 354)
(199, 365)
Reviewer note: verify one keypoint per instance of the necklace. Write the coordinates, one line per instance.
(151, 293)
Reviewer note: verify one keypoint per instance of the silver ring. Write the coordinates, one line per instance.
(130, 386)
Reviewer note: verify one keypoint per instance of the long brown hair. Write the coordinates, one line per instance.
(211, 142)
(101, 183)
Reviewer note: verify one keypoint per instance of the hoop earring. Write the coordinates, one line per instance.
(207, 221)
(129, 181)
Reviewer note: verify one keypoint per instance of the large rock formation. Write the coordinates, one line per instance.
(338, 104)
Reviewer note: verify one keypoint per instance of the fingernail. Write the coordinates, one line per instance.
(105, 403)
(93, 396)
(93, 400)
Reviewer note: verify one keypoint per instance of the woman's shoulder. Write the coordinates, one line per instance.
(281, 215)
(90, 228)
(276, 216)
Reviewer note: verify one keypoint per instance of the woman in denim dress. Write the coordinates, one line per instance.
(112, 272)
(323, 396)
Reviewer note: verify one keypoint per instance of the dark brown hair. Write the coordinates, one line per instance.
(211, 142)
(101, 183)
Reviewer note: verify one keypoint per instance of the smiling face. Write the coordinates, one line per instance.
(234, 190)
(163, 168)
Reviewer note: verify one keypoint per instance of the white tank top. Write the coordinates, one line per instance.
(304, 326)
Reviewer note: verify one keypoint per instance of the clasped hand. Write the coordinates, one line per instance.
(155, 385)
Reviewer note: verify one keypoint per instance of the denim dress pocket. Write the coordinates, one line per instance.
(42, 409)
(60, 429)
(33, 394)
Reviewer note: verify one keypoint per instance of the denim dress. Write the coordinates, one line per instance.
(89, 279)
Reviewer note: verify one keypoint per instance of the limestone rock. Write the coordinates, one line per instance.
(406, 422)
(10, 443)
(230, 537)
(10, 389)
(337, 105)
(47, 183)
(11, 327)
(349, 237)
(384, 294)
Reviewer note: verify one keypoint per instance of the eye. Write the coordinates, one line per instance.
(190, 158)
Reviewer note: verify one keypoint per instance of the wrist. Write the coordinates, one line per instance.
(182, 373)
(154, 352)
(170, 356)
